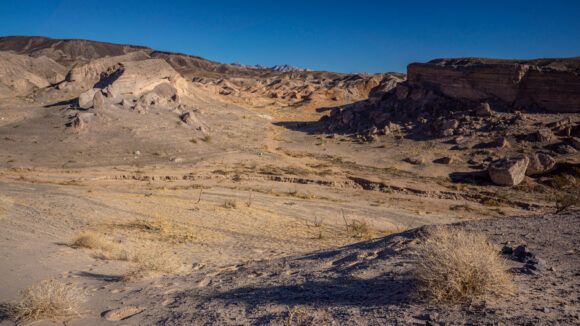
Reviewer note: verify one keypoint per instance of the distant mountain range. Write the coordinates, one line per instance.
(280, 68)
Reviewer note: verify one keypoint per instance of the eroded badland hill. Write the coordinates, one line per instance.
(170, 189)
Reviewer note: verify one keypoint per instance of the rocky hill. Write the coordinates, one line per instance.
(83, 62)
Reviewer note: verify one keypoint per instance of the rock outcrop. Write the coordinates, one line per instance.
(20, 75)
(548, 84)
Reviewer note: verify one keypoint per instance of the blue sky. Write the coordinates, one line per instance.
(343, 36)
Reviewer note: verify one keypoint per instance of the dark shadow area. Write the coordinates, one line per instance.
(71, 102)
(4, 311)
(476, 178)
(383, 290)
(101, 277)
(309, 127)
(108, 80)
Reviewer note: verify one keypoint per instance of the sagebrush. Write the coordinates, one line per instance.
(50, 299)
(458, 266)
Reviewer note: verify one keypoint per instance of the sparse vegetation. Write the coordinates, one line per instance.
(154, 257)
(51, 299)
(458, 266)
(230, 203)
(160, 230)
(94, 240)
(360, 230)
(97, 241)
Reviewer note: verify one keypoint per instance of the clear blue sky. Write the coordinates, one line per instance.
(343, 36)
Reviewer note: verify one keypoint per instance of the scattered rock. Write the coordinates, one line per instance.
(447, 160)
(77, 122)
(460, 140)
(575, 142)
(98, 101)
(121, 313)
(540, 163)
(501, 142)
(484, 110)
(177, 160)
(546, 310)
(127, 104)
(565, 149)
(140, 109)
(544, 135)
(137, 153)
(507, 250)
(521, 253)
(508, 171)
(415, 160)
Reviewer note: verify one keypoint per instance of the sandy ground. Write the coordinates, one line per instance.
(149, 178)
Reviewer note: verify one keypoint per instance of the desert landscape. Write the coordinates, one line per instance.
(142, 187)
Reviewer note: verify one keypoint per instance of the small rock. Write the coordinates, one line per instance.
(177, 160)
(544, 135)
(121, 313)
(433, 316)
(501, 142)
(140, 109)
(508, 171)
(415, 160)
(522, 253)
(546, 309)
(126, 104)
(484, 110)
(565, 149)
(575, 142)
(137, 153)
(98, 101)
(507, 250)
(460, 140)
(447, 160)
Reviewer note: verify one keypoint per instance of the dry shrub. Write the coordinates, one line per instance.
(101, 242)
(51, 299)
(161, 229)
(455, 265)
(94, 240)
(155, 257)
(360, 230)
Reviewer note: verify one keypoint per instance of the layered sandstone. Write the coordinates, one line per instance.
(547, 84)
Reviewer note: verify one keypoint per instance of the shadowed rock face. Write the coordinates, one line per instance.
(548, 84)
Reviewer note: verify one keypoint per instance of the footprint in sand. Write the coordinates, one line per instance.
(121, 313)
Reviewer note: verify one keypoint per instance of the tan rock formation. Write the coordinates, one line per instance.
(549, 84)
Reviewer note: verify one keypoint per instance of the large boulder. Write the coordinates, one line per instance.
(540, 163)
(508, 171)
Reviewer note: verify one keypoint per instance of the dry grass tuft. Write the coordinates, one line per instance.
(94, 240)
(457, 266)
(97, 241)
(360, 230)
(155, 257)
(51, 299)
